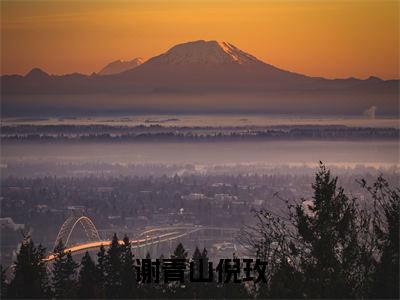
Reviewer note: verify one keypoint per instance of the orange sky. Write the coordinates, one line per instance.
(321, 38)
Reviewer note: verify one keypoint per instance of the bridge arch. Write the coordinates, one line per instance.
(69, 225)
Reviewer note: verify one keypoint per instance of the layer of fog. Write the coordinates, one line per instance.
(271, 153)
(315, 102)
(212, 120)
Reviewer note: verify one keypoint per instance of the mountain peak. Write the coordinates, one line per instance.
(237, 55)
(205, 53)
(37, 73)
(120, 66)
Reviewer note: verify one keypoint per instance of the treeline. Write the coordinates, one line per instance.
(213, 137)
(330, 246)
(115, 274)
(248, 135)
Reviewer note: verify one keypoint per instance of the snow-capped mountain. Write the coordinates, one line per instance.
(198, 66)
(207, 68)
(119, 66)
(204, 52)
(212, 64)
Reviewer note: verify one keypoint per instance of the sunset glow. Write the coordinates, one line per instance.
(336, 39)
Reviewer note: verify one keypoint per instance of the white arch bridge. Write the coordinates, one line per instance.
(151, 237)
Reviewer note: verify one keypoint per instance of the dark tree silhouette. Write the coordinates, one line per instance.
(202, 289)
(327, 229)
(385, 280)
(179, 252)
(30, 278)
(113, 268)
(326, 246)
(101, 270)
(286, 282)
(197, 260)
(88, 285)
(64, 273)
(128, 278)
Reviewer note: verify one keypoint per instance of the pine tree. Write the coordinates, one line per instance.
(113, 269)
(328, 231)
(175, 289)
(197, 260)
(64, 273)
(87, 278)
(180, 252)
(202, 289)
(196, 254)
(205, 260)
(128, 278)
(30, 277)
(101, 270)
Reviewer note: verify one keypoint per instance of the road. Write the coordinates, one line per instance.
(138, 243)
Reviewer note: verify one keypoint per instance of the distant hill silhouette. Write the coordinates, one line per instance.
(209, 67)
(120, 66)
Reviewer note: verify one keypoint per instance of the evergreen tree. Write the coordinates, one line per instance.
(180, 252)
(64, 273)
(321, 248)
(196, 254)
(101, 270)
(128, 278)
(113, 268)
(204, 256)
(148, 256)
(328, 231)
(30, 277)
(197, 260)
(203, 289)
(286, 282)
(88, 286)
(196, 287)
(176, 289)
(385, 280)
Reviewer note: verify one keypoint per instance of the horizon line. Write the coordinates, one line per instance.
(371, 76)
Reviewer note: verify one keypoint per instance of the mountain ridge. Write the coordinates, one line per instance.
(140, 61)
(207, 68)
(119, 66)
